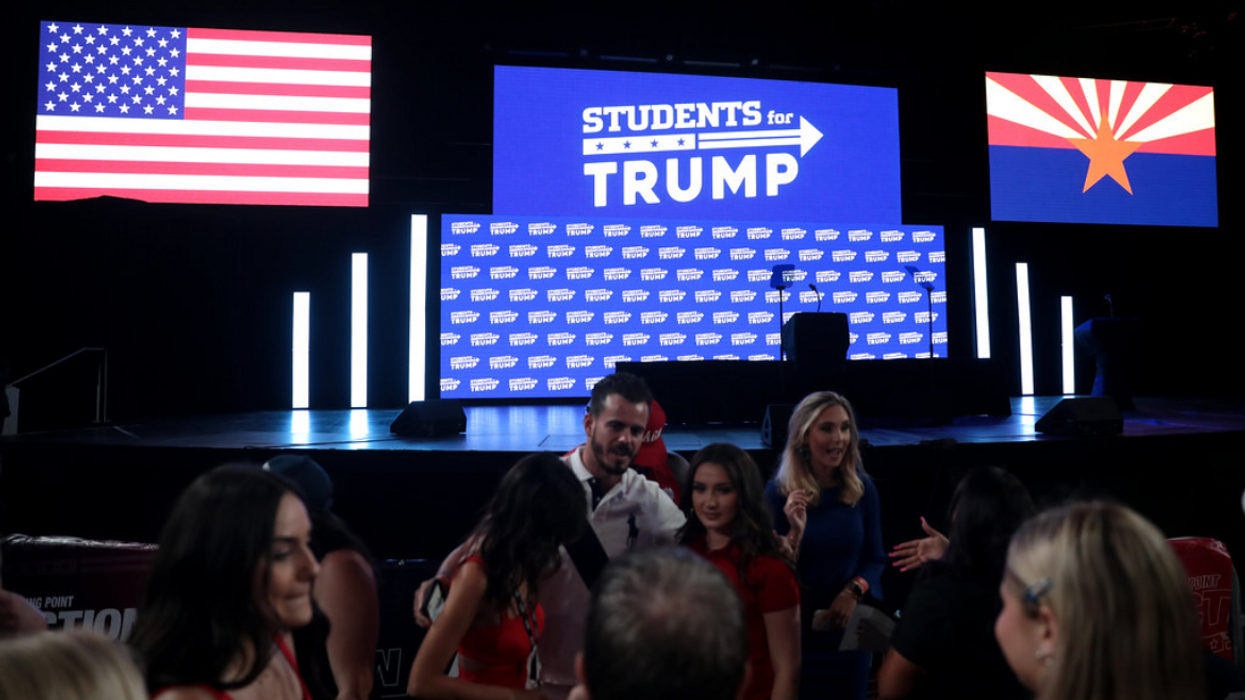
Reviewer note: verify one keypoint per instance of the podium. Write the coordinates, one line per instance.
(815, 342)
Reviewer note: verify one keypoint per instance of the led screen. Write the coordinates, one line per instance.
(1084, 150)
(214, 116)
(615, 144)
(542, 307)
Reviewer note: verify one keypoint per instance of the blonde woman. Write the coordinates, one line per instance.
(1097, 607)
(827, 509)
(72, 665)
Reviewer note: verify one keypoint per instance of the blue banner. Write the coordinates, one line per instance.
(540, 307)
(602, 143)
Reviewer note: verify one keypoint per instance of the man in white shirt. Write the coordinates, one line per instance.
(626, 511)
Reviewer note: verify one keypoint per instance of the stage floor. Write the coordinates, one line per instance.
(559, 428)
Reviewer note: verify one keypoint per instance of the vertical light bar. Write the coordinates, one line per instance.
(1026, 329)
(981, 298)
(1065, 332)
(417, 340)
(301, 367)
(358, 331)
(300, 426)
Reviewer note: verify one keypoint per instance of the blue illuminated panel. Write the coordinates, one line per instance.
(543, 307)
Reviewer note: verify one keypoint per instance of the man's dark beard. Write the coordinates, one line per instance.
(598, 451)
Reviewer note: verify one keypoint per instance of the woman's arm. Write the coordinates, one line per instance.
(872, 557)
(428, 679)
(346, 591)
(782, 629)
(898, 676)
(451, 563)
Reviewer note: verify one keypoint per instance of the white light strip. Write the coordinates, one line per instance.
(301, 367)
(358, 424)
(981, 297)
(1026, 329)
(358, 331)
(416, 365)
(1065, 332)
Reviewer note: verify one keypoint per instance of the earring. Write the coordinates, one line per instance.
(803, 452)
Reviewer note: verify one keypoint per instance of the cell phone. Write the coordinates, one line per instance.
(434, 600)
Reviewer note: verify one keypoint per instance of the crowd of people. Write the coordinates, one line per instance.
(585, 579)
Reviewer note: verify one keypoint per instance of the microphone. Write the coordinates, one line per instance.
(814, 288)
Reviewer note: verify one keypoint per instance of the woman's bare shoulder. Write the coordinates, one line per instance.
(184, 692)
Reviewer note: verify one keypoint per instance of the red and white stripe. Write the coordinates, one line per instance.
(270, 118)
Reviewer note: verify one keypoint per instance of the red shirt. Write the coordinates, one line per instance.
(769, 585)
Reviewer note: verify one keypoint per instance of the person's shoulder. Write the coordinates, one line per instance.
(573, 460)
(346, 562)
(471, 577)
(639, 486)
(870, 489)
(770, 566)
(774, 581)
(773, 491)
(188, 692)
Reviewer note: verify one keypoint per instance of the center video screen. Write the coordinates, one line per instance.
(539, 307)
(569, 142)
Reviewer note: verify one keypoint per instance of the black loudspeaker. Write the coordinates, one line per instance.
(429, 418)
(1097, 415)
(774, 427)
(815, 339)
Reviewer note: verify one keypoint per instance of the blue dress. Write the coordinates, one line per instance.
(840, 542)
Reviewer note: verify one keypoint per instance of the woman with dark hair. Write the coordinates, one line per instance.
(828, 510)
(732, 529)
(346, 587)
(944, 645)
(491, 617)
(231, 581)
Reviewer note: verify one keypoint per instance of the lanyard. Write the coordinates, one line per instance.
(529, 624)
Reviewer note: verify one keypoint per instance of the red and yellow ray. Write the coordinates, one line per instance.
(1107, 120)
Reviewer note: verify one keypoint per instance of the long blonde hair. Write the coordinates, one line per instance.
(1127, 620)
(70, 665)
(795, 473)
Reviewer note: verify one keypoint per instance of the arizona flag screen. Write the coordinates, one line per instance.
(213, 116)
(1084, 150)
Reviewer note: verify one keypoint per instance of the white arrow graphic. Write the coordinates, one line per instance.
(806, 136)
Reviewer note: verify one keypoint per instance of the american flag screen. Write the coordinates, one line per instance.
(212, 116)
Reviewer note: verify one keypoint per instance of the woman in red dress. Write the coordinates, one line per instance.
(732, 528)
(491, 617)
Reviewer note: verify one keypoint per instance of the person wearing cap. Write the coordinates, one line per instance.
(345, 589)
(653, 461)
(625, 510)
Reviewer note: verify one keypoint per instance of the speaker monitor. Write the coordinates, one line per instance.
(430, 418)
(1096, 415)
